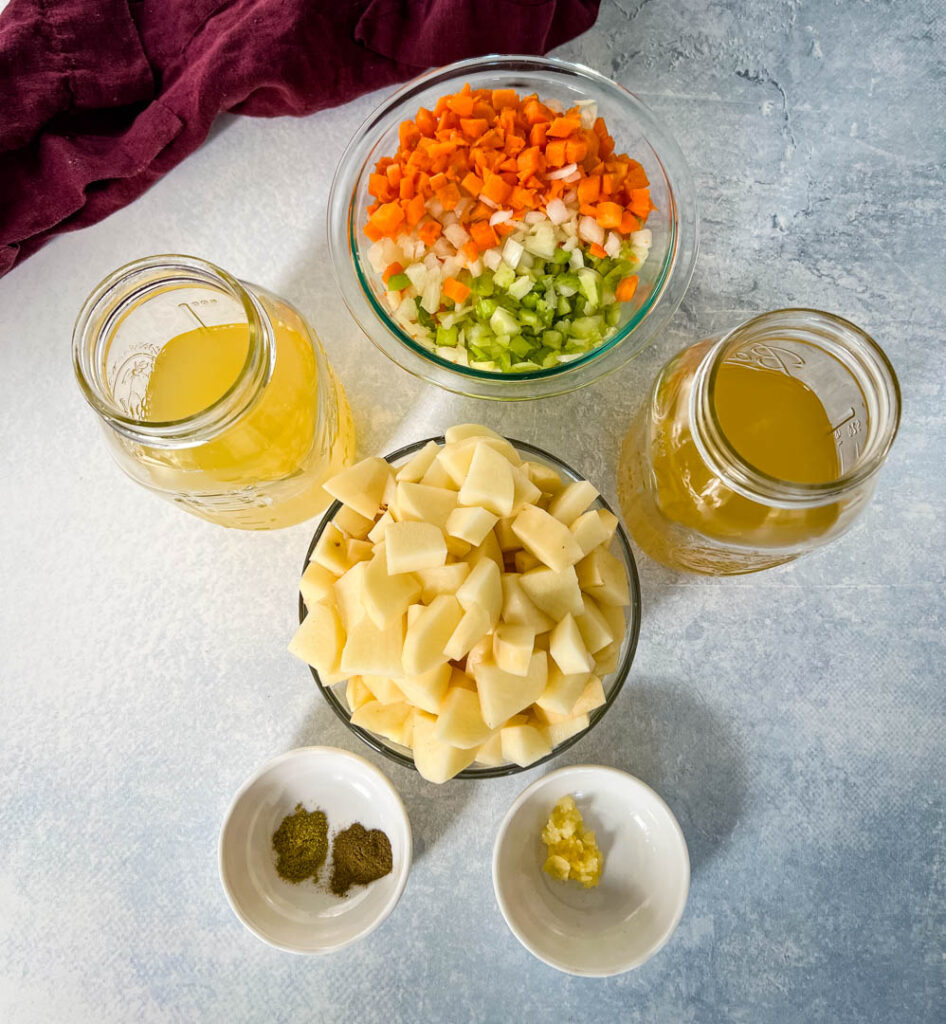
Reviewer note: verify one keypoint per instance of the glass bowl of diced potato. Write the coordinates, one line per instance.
(469, 605)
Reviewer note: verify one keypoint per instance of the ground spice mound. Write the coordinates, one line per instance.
(301, 845)
(359, 856)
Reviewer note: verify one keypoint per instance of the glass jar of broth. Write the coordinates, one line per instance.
(213, 393)
(759, 446)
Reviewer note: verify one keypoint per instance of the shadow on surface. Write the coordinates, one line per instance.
(431, 808)
(688, 754)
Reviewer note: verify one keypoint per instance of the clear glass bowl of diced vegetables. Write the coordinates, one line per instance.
(512, 227)
(477, 715)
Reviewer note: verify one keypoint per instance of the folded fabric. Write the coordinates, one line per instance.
(100, 98)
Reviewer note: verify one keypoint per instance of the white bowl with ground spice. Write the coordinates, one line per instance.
(591, 870)
(315, 850)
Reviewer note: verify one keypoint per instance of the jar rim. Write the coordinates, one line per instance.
(754, 483)
(131, 282)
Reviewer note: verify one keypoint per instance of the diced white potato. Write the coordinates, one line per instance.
(393, 721)
(474, 625)
(387, 597)
(470, 523)
(443, 579)
(427, 690)
(561, 691)
(569, 503)
(558, 732)
(525, 561)
(413, 470)
(591, 697)
(490, 753)
(352, 523)
(361, 486)
(568, 649)
(479, 652)
(544, 477)
(428, 635)
(503, 695)
(602, 576)
(483, 589)
(437, 476)
(593, 528)
(460, 722)
(319, 640)
(461, 431)
(489, 482)
(370, 651)
(457, 548)
(413, 546)
(525, 492)
(436, 761)
(356, 693)
(424, 504)
(593, 626)
(349, 595)
(508, 541)
(376, 533)
(524, 744)
(608, 658)
(358, 550)
(331, 551)
(414, 612)
(390, 492)
(488, 549)
(555, 593)
(316, 584)
(513, 647)
(383, 689)
(617, 620)
(518, 609)
(547, 538)
(456, 459)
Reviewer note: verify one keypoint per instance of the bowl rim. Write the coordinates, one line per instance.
(675, 829)
(670, 285)
(620, 673)
(403, 872)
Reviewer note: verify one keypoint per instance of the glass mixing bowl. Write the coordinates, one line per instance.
(664, 277)
(612, 683)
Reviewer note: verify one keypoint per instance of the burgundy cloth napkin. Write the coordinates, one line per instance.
(100, 98)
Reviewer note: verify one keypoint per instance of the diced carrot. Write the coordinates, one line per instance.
(640, 202)
(504, 98)
(438, 181)
(372, 232)
(449, 195)
(555, 189)
(406, 189)
(508, 166)
(555, 153)
(530, 161)
(588, 210)
(455, 290)
(626, 288)
(379, 187)
(562, 127)
(609, 215)
(387, 218)
(537, 134)
(461, 104)
(473, 127)
(470, 250)
(589, 189)
(600, 128)
(491, 140)
(606, 148)
(575, 151)
(393, 174)
(534, 111)
(515, 144)
(597, 250)
(472, 184)
(415, 210)
(629, 223)
(483, 235)
(608, 184)
(429, 232)
(425, 122)
(496, 189)
(522, 197)
(390, 271)
(506, 228)
(408, 134)
(481, 211)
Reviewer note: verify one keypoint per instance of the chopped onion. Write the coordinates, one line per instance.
(572, 178)
(590, 230)
(534, 217)
(512, 252)
(376, 257)
(449, 218)
(451, 267)
(642, 239)
(557, 211)
(500, 217)
(431, 262)
(463, 206)
(456, 235)
(571, 196)
(442, 248)
(476, 268)
(576, 259)
(417, 275)
(435, 207)
(570, 243)
(489, 202)
(589, 113)
(613, 245)
(563, 172)
(492, 258)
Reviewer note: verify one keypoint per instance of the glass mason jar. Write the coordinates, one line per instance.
(801, 389)
(213, 393)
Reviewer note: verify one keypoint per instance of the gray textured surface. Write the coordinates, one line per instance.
(794, 721)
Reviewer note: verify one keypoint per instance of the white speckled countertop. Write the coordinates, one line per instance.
(794, 721)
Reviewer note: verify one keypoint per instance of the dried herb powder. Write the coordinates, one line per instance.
(359, 856)
(301, 845)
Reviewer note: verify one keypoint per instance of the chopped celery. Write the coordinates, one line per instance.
(447, 336)
(485, 308)
(504, 276)
(397, 282)
(503, 322)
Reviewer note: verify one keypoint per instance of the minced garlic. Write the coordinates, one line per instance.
(573, 852)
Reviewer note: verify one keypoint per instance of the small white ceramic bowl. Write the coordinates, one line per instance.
(303, 917)
(644, 885)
